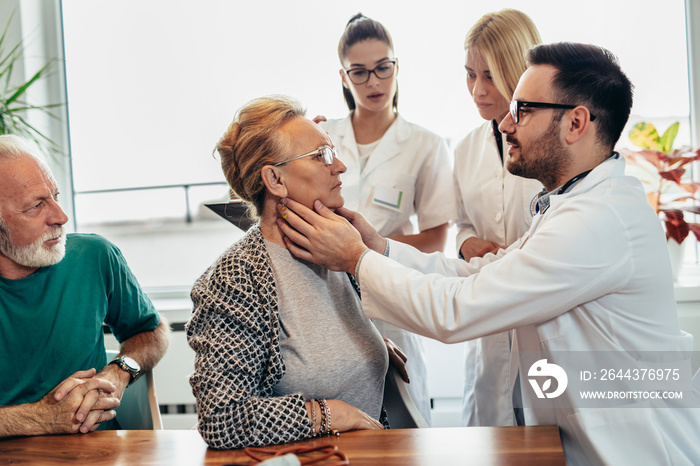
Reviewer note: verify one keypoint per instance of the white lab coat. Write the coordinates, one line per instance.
(415, 162)
(494, 205)
(592, 274)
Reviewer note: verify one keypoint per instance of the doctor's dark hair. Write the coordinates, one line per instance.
(591, 76)
(361, 28)
(252, 141)
(503, 38)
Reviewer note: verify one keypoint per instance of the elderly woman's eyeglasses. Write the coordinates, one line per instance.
(384, 70)
(326, 152)
(517, 105)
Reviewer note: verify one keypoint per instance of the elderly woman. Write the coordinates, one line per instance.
(283, 350)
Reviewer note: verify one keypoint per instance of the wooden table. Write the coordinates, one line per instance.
(538, 445)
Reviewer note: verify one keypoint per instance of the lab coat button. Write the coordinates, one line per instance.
(498, 217)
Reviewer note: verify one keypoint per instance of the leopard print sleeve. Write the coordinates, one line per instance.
(234, 330)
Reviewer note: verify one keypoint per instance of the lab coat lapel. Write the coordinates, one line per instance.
(347, 145)
(389, 146)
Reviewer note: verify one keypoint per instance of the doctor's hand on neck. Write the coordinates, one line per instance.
(332, 240)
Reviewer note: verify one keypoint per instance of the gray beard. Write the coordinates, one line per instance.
(35, 254)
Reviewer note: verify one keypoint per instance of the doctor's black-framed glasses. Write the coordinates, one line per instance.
(517, 105)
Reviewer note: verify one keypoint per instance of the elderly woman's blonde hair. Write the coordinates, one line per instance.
(252, 141)
(503, 38)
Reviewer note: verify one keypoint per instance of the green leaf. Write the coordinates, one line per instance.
(7, 27)
(38, 75)
(666, 141)
(13, 108)
(644, 135)
(13, 55)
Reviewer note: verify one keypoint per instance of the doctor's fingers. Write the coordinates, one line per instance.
(358, 221)
(288, 224)
(288, 206)
(301, 253)
(312, 217)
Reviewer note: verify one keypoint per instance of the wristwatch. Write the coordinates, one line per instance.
(127, 364)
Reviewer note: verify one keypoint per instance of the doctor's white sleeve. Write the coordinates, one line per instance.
(553, 272)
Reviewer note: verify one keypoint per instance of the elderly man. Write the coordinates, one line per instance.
(588, 289)
(56, 290)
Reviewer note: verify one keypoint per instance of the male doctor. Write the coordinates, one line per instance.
(591, 277)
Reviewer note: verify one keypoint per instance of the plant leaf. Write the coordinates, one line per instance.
(12, 107)
(673, 175)
(676, 226)
(633, 158)
(38, 75)
(644, 135)
(691, 188)
(666, 141)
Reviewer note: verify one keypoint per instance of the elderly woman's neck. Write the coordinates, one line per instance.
(268, 223)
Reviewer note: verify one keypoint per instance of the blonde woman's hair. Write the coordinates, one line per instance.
(503, 38)
(252, 141)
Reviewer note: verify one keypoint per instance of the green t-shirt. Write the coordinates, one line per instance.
(51, 321)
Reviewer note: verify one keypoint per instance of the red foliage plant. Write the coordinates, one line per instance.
(668, 193)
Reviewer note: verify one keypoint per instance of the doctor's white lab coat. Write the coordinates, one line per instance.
(591, 275)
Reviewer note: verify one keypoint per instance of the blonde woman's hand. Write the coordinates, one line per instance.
(476, 247)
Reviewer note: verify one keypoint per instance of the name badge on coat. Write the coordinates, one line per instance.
(388, 197)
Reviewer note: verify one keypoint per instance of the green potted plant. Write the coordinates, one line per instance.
(13, 105)
(662, 174)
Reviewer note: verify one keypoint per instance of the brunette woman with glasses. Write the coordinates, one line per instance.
(494, 204)
(397, 171)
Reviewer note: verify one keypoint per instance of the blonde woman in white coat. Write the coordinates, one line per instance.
(396, 170)
(494, 204)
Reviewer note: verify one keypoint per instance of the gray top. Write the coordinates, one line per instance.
(330, 349)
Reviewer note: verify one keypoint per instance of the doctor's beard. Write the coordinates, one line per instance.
(35, 254)
(546, 160)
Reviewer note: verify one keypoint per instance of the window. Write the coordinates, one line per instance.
(153, 85)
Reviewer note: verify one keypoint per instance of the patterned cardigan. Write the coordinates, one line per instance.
(234, 329)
